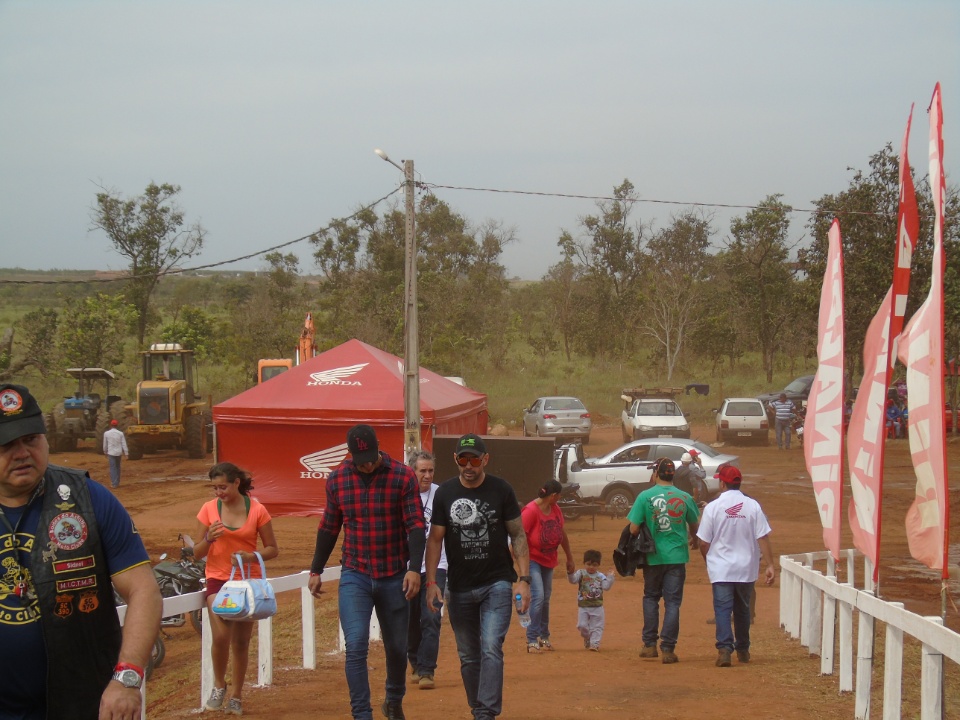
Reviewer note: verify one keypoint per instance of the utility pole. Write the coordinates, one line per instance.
(411, 358)
(411, 325)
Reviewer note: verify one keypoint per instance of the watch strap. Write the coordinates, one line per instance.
(121, 666)
(525, 578)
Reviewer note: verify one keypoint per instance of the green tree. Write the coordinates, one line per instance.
(194, 329)
(757, 257)
(679, 261)
(149, 231)
(92, 331)
(34, 344)
(612, 256)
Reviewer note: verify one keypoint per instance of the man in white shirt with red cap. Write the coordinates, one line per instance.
(733, 532)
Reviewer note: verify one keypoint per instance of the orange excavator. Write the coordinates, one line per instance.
(306, 349)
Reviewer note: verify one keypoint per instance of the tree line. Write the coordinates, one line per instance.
(621, 288)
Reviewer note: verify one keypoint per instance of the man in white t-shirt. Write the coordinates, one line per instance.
(423, 633)
(733, 532)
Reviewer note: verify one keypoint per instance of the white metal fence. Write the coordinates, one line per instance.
(195, 601)
(816, 608)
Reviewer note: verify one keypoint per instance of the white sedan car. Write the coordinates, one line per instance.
(619, 476)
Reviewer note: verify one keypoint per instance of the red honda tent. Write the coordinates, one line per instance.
(290, 432)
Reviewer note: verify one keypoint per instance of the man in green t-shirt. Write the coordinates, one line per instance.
(672, 518)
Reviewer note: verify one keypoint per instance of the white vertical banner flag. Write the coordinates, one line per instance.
(823, 427)
(921, 350)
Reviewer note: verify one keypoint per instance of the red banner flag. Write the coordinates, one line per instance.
(867, 432)
(823, 426)
(921, 350)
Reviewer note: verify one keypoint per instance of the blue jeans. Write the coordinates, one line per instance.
(662, 581)
(783, 428)
(480, 618)
(732, 598)
(541, 587)
(114, 470)
(358, 595)
(423, 633)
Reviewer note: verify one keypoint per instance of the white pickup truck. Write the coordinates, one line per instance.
(652, 417)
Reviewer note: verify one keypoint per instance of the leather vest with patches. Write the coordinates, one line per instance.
(77, 611)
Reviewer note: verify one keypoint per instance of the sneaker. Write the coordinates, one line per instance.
(743, 656)
(216, 698)
(392, 711)
(723, 658)
(594, 648)
(669, 657)
(533, 648)
(586, 643)
(426, 682)
(234, 707)
(545, 645)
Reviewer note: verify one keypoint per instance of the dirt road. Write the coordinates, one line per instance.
(164, 493)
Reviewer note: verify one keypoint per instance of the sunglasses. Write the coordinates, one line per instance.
(471, 460)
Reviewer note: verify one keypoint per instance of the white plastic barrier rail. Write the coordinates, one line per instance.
(815, 607)
(195, 601)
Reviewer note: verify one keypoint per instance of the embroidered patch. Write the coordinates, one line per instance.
(11, 402)
(62, 566)
(50, 553)
(68, 530)
(79, 583)
(64, 606)
(88, 601)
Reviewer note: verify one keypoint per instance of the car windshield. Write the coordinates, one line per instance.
(656, 409)
(563, 404)
(752, 408)
(796, 386)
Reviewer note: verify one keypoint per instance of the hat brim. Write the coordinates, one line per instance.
(369, 456)
(10, 431)
(471, 451)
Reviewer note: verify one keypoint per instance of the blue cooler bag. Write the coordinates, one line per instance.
(247, 598)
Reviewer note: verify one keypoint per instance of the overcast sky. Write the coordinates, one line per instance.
(267, 113)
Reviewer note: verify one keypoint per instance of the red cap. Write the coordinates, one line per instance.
(113, 423)
(729, 475)
(694, 452)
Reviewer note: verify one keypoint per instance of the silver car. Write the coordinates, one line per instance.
(649, 449)
(564, 418)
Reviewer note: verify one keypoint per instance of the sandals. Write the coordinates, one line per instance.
(534, 648)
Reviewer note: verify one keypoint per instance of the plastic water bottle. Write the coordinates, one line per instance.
(523, 616)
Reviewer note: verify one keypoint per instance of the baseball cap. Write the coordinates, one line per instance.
(686, 458)
(694, 452)
(472, 444)
(665, 469)
(19, 414)
(729, 475)
(113, 423)
(362, 444)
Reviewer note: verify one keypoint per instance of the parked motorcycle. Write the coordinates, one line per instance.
(570, 500)
(181, 577)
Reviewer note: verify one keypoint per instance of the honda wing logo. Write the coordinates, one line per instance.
(320, 464)
(337, 376)
(734, 512)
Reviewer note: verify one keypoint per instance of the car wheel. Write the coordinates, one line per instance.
(619, 500)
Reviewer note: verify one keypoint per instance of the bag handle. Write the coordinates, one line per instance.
(240, 563)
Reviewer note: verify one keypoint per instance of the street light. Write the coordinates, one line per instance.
(411, 355)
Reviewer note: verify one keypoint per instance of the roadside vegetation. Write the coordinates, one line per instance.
(626, 304)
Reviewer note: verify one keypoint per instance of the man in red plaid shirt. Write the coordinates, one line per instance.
(377, 500)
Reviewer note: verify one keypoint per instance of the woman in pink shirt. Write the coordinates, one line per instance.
(230, 525)
(543, 525)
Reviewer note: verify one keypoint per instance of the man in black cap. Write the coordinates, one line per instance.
(671, 516)
(474, 516)
(377, 500)
(63, 540)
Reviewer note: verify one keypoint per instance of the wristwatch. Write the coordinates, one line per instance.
(128, 675)
(525, 578)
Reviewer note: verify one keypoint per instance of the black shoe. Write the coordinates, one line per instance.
(392, 711)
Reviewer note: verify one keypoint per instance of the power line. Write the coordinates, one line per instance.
(180, 271)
